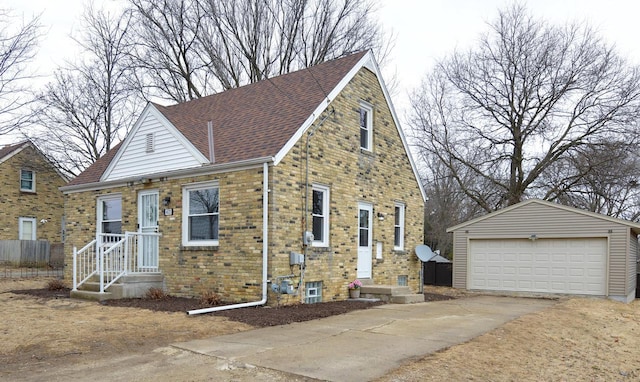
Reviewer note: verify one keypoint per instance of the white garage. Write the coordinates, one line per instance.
(542, 247)
(572, 266)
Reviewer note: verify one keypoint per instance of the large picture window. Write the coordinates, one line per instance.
(202, 215)
(320, 216)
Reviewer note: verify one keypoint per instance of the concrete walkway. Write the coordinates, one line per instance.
(366, 344)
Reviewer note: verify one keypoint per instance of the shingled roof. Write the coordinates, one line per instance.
(8, 149)
(253, 121)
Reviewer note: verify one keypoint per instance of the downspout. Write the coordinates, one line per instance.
(265, 252)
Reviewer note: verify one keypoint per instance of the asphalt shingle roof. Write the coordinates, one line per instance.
(252, 121)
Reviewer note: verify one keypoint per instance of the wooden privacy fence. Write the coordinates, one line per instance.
(31, 253)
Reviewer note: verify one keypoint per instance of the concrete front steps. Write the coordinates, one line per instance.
(129, 286)
(390, 293)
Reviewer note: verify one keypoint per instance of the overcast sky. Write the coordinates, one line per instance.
(425, 30)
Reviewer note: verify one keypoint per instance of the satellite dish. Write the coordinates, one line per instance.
(424, 252)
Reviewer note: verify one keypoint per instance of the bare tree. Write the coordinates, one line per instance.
(18, 43)
(603, 178)
(187, 48)
(529, 95)
(89, 106)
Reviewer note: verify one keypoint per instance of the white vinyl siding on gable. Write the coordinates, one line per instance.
(153, 148)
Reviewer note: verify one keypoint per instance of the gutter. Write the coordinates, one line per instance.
(205, 169)
(265, 252)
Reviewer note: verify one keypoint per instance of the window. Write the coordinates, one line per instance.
(403, 280)
(110, 214)
(398, 235)
(313, 292)
(320, 216)
(27, 181)
(366, 126)
(27, 229)
(201, 218)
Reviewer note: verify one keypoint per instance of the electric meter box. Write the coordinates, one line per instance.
(296, 258)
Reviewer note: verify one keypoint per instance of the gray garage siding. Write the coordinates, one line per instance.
(633, 262)
(546, 222)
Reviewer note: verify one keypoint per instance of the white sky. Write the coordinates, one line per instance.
(425, 29)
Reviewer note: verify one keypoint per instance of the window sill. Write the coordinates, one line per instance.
(213, 247)
(398, 251)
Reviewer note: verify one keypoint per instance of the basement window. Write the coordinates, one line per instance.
(313, 292)
(403, 280)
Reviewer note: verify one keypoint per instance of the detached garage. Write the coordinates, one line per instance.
(542, 247)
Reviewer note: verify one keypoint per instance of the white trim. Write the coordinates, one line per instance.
(99, 211)
(369, 125)
(21, 222)
(33, 181)
(16, 151)
(402, 207)
(185, 214)
(150, 109)
(326, 211)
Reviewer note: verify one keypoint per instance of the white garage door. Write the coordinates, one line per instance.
(572, 266)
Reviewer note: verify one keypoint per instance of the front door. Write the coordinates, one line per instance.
(365, 248)
(148, 223)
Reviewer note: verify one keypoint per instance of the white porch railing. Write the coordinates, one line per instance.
(111, 256)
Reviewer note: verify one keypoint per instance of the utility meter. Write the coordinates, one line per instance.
(308, 238)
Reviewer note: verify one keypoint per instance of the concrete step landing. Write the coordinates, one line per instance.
(391, 293)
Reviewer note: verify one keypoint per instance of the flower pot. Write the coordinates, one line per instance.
(354, 293)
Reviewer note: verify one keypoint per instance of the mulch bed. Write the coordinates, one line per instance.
(255, 316)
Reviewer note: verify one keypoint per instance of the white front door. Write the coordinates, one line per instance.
(365, 248)
(148, 223)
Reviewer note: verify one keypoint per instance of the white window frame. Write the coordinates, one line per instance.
(185, 215)
(99, 211)
(321, 242)
(369, 125)
(33, 181)
(21, 222)
(399, 208)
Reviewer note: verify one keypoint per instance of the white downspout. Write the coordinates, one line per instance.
(265, 252)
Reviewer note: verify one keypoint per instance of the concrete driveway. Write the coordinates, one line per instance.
(366, 344)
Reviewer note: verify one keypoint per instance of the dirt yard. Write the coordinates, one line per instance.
(577, 339)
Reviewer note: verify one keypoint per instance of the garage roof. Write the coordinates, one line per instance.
(635, 227)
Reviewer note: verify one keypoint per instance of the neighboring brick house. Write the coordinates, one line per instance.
(233, 181)
(31, 204)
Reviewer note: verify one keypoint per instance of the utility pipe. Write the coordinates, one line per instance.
(265, 252)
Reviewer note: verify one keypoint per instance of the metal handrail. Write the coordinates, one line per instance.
(112, 256)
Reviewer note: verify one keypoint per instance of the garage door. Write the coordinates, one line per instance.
(572, 266)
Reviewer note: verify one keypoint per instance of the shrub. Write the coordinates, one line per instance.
(210, 298)
(55, 284)
(155, 294)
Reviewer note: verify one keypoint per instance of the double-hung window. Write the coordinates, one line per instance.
(398, 235)
(27, 181)
(366, 126)
(110, 214)
(320, 216)
(201, 217)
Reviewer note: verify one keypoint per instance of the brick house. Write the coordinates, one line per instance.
(31, 204)
(284, 190)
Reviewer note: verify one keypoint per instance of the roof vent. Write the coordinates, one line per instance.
(150, 143)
